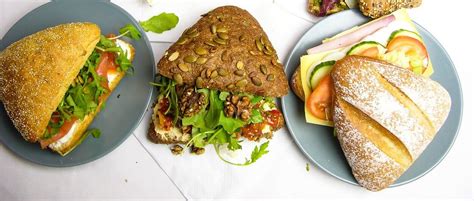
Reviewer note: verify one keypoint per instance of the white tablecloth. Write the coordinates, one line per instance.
(141, 170)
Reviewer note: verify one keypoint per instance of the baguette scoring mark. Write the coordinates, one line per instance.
(377, 134)
(362, 88)
(408, 103)
(372, 168)
(429, 96)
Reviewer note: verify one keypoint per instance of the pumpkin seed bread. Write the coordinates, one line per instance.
(379, 8)
(226, 50)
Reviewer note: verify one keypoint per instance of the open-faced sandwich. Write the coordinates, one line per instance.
(54, 82)
(372, 84)
(217, 84)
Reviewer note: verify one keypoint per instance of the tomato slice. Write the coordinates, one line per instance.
(372, 52)
(274, 119)
(62, 132)
(107, 63)
(410, 46)
(319, 102)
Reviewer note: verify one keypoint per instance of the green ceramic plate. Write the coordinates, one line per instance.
(318, 142)
(124, 108)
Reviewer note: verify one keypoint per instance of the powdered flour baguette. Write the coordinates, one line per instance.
(384, 116)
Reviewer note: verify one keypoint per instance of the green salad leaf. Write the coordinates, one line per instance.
(223, 95)
(215, 108)
(95, 132)
(230, 124)
(256, 116)
(82, 97)
(257, 153)
(210, 125)
(160, 23)
(130, 31)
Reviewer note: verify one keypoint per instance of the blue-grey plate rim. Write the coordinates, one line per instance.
(289, 73)
(134, 126)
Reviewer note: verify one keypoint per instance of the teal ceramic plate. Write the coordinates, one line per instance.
(125, 106)
(318, 142)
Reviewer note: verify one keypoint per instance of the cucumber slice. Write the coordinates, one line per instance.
(356, 49)
(404, 32)
(321, 70)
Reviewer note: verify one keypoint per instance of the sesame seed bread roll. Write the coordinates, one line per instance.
(36, 71)
(226, 50)
(384, 116)
(379, 8)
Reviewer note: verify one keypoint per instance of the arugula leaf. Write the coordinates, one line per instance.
(230, 124)
(218, 137)
(216, 106)
(256, 99)
(223, 95)
(95, 132)
(160, 23)
(166, 88)
(122, 60)
(233, 143)
(256, 116)
(104, 42)
(257, 153)
(198, 140)
(130, 31)
(196, 120)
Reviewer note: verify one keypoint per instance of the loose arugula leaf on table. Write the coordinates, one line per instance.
(160, 23)
(157, 24)
(257, 153)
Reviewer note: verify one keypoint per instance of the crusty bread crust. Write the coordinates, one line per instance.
(296, 84)
(379, 8)
(385, 116)
(372, 168)
(36, 71)
(229, 51)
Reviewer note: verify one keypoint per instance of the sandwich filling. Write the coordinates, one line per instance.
(198, 117)
(393, 39)
(110, 58)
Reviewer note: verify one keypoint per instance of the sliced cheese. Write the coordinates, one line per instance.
(308, 62)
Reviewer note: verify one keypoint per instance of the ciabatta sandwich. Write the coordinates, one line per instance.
(54, 82)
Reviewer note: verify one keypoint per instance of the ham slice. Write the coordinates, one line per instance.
(353, 37)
